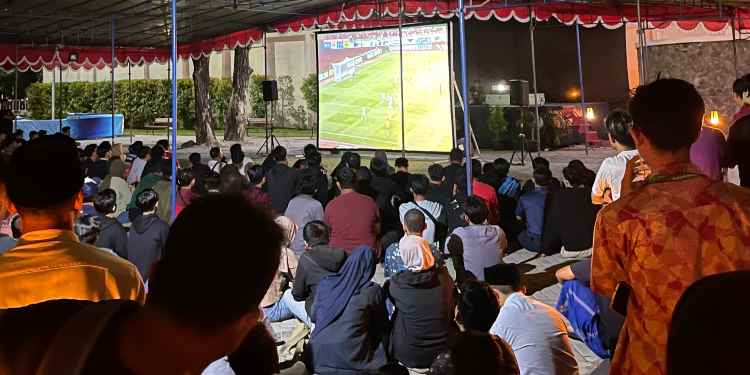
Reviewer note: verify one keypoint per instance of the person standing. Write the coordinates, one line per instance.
(281, 181)
(606, 187)
(677, 227)
(738, 142)
(354, 218)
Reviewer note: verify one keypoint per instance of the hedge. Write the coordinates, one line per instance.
(141, 101)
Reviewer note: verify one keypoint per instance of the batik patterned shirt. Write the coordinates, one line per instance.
(660, 239)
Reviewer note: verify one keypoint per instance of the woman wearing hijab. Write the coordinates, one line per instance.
(423, 302)
(350, 319)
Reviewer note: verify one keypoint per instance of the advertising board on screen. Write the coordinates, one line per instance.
(360, 90)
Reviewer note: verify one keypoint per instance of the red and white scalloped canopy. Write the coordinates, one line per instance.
(372, 14)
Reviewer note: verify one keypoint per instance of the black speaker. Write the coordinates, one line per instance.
(519, 92)
(271, 91)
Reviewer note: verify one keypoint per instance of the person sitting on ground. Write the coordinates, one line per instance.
(354, 218)
(88, 229)
(186, 183)
(255, 193)
(200, 171)
(116, 181)
(281, 181)
(530, 210)
(383, 156)
(401, 177)
(163, 188)
(456, 167)
(212, 183)
(232, 181)
(422, 297)
(274, 304)
(90, 189)
(606, 187)
(318, 261)
(152, 175)
(536, 332)
(136, 170)
(510, 187)
(414, 226)
(490, 176)
(239, 158)
(66, 131)
(350, 319)
(100, 167)
(147, 235)
(477, 306)
(218, 161)
(569, 215)
(508, 194)
(389, 197)
(133, 151)
(484, 191)
(439, 190)
(209, 316)
(477, 246)
(49, 253)
(118, 159)
(303, 208)
(419, 186)
(111, 233)
(476, 352)
(314, 160)
(309, 149)
(589, 313)
(363, 182)
(33, 135)
(738, 140)
(334, 191)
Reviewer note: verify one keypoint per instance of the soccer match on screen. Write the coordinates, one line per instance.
(360, 77)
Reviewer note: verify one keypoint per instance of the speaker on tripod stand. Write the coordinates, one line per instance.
(270, 96)
(519, 96)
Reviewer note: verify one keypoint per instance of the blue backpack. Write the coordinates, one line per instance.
(578, 304)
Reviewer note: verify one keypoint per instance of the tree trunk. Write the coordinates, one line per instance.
(203, 119)
(234, 128)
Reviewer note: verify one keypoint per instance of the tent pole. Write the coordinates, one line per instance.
(401, 74)
(62, 99)
(52, 110)
(112, 78)
(465, 92)
(533, 78)
(734, 45)
(174, 110)
(642, 67)
(583, 91)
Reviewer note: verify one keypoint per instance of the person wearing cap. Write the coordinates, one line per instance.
(49, 262)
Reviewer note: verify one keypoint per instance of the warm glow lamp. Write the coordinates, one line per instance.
(590, 114)
(714, 118)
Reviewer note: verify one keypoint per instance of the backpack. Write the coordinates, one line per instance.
(578, 304)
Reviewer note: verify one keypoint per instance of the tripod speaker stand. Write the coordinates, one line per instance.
(523, 147)
(270, 95)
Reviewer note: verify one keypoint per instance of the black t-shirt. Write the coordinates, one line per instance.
(452, 173)
(402, 180)
(442, 193)
(282, 186)
(569, 220)
(611, 322)
(737, 145)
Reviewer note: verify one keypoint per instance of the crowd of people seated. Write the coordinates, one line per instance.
(98, 275)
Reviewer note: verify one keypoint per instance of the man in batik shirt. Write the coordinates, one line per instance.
(676, 228)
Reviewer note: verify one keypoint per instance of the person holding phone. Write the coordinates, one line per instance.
(666, 231)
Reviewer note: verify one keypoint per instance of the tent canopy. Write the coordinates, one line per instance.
(43, 33)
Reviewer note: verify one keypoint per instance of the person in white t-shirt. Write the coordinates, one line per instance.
(606, 187)
(418, 184)
(218, 161)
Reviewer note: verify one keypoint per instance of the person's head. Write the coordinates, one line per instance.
(539, 162)
(15, 227)
(232, 182)
(66, 130)
(507, 279)
(314, 159)
(488, 169)
(414, 222)
(46, 196)
(144, 153)
(195, 159)
(382, 155)
(42, 133)
(215, 153)
(476, 168)
(345, 178)
(90, 151)
(308, 182)
(105, 202)
(221, 307)
(186, 178)
(415, 251)
(667, 119)
(300, 164)
(147, 200)
(255, 175)
(419, 184)
(456, 156)
(437, 173)
(502, 167)
(475, 352)
(279, 154)
(103, 151)
(135, 147)
(379, 167)
(578, 175)
(157, 152)
(477, 306)
(33, 135)
(309, 149)
(87, 228)
(163, 143)
(475, 210)
(618, 125)
(402, 164)
(315, 233)
(363, 178)
(211, 182)
(354, 161)
(236, 154)
(741, 90)
(118, 151)
(542, 176)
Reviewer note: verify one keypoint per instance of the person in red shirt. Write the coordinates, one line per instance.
(484, 191)
(354, 218)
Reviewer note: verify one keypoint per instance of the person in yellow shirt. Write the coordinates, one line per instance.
(44, 182)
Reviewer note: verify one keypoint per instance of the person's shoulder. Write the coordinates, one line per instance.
(732, 194)
(122, 269)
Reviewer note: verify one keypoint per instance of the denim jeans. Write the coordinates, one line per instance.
(287, 308)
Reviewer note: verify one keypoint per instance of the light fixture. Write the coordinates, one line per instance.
(73, 57)
(714, 118)
(501, 87)
(573, 94)
(590, 114)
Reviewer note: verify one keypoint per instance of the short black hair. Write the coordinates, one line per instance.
(542, 176)
(457, 155)
(577, 174)
(476, 168)
(313, 159)
(741, 86)
(476, 209)
(618, 125)
(163, 143)
(308, 182)
(539, 162)
(507, 275)
(232, 182)
(236, 153)
(195, 158)
(379, 167)
(309, 149)
(33, 133)
(65, 129)
(346, 177)
(316, 233)
(475, 352)
(87, 228)
(279, 153)
(237, 275)
(147, 200)
(103, 149)
(414, 220)
(185, 177)
(214, 152)
(436, 172)
(419, 184)
(89, 150)
(143, 152)
(477, 306)
(354, 161)
(502, 167)
(401, 163)
(105, 201)
(29, 185)
(669, 112)
(255, 174)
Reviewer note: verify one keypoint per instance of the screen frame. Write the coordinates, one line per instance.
(449, 27)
